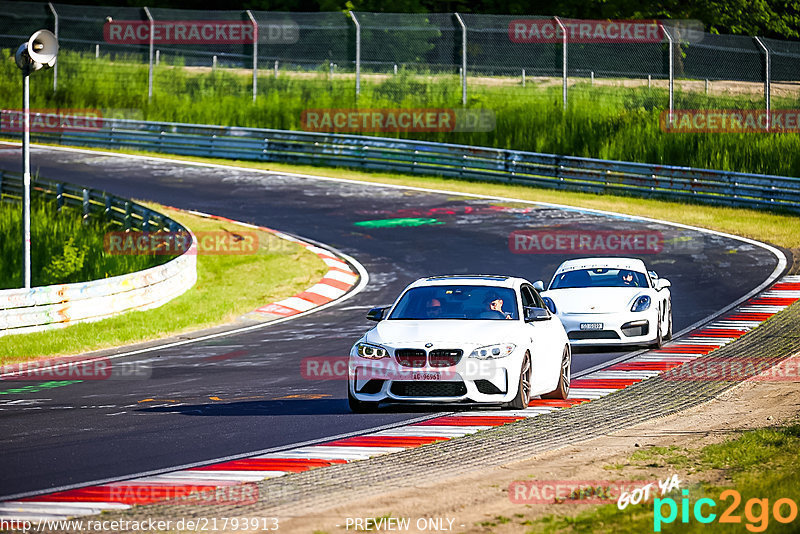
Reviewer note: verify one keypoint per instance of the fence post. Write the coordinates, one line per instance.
(59, 196)
(671, 74)
(463, 59)
(563, 62)
(358, 52)
(86, 206)
(55, 32)
(127, 219)
(766, 78)
(150, 61)
(255, 53)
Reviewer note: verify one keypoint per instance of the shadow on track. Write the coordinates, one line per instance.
(295, 407)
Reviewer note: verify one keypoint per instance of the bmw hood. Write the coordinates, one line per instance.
(475, 332)
(595, 300)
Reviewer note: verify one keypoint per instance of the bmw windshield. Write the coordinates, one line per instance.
(457, 302)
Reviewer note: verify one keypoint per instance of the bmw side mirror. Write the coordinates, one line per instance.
(533, 314)
(538, 285)
(376, 314)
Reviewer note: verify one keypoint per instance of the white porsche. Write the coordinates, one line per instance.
(461, 338)
(610, 301)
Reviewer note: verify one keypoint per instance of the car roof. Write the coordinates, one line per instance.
(492, 280)
(632, 264)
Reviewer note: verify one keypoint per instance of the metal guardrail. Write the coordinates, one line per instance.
(457, 161)
(42, 308)
(128, 214)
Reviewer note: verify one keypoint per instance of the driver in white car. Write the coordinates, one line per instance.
(627, 278)
(496, 305)
(433, 308)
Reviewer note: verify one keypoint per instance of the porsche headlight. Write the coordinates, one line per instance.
(493, 351)
(641, 303)
(373, 352)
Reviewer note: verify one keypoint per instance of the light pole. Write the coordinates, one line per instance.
(40, 51)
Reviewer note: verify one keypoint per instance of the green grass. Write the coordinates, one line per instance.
(759, 464)
(227, 287)
(601, 121)
(64, 248)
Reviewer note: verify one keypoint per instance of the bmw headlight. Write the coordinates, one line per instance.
(373, 352)
(493, 351)
(641, 303)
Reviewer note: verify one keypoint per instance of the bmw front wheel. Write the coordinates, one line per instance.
(523, 397)
(562, 391)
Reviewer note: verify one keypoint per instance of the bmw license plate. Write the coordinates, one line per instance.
(426, 376)
(591, 326)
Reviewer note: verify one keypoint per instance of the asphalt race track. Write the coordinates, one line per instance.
(96, 430)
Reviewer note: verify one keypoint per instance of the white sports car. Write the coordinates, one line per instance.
(610, 301)
(474, 339)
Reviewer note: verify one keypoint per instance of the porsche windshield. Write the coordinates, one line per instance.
(457, 302)
(599, 277)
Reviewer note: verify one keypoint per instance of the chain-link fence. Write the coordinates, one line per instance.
(120, 54)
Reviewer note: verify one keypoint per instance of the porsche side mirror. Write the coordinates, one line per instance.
(662, 283)
(538, 285)
(376, 314)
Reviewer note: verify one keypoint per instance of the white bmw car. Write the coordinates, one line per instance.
(610, 301)
(472, 339)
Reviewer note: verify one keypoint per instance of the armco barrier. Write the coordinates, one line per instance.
(43, 308)
(457, 161)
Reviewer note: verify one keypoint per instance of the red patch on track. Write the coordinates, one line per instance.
(344, 286)
(313, 297)
(686, 349)
(293, 465)
(644, 366)
(603, 383)
(566, 403)
(385, 441)
(469, 420)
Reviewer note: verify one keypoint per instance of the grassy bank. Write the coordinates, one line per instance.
(601, 121)
(64, 248)
(227, 287)
(759, 464)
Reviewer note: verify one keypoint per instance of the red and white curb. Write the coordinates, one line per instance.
(206, 483)
(337, 282)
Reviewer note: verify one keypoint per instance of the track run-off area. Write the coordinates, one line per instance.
(248, 393)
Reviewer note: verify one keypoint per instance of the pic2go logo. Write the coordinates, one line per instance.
(756, 511)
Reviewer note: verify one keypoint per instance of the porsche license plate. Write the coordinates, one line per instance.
(591, 326)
